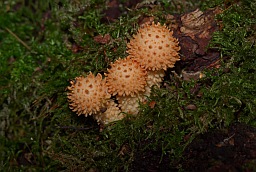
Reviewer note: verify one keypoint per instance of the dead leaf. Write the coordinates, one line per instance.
(102, 39)
(191, 107)
(152, 104)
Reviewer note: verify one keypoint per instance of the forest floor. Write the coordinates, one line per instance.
(202, 118)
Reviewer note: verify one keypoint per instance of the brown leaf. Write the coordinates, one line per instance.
(191, 107)
(102, 39)
(76, 48)
(145, 20)
(152, 104)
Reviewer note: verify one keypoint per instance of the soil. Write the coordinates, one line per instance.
(223, 150)
(231, 150)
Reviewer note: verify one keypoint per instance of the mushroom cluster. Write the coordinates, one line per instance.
(128, 81)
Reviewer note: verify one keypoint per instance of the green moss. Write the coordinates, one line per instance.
(236, 42)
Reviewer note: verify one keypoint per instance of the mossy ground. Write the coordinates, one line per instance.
(44, 45)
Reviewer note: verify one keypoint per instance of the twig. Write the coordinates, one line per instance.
(75, 128)
(227, 139)
(22, 42)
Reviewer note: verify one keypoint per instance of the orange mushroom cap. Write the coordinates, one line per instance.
(125, 77)
(154, 47)
(87, 95)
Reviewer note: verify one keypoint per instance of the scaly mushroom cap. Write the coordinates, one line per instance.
(125, 77)
(87, 95)
(154, 47)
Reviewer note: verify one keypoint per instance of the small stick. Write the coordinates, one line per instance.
(227, 139)
(74, 128)
(22, 42)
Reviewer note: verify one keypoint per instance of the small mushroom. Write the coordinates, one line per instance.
(112, 113)
(126, 77)
(87, 95)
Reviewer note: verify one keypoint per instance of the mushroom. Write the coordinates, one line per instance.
(130, 104)
(112, 113)
(155, 77)
(154, 47)
(126, 77)
(87, 95)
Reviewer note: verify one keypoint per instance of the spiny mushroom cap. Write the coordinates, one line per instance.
(87, 95)
(154, 47)
(112, 113)
(125, 77)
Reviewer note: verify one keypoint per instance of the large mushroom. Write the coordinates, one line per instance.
(154, 47)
